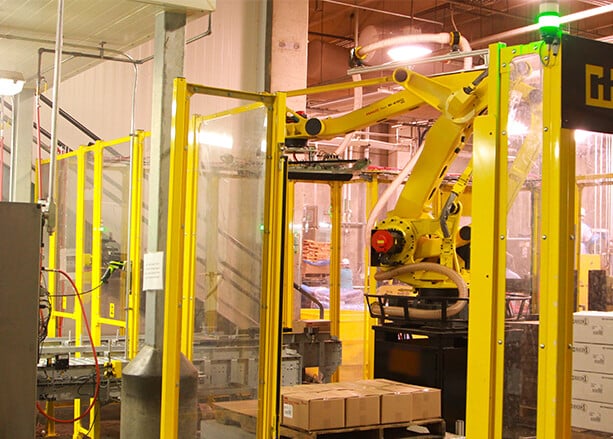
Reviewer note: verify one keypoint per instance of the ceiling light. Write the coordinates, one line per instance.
(11, 83)
(407, 53)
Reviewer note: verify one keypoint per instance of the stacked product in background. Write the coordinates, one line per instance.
(592, 379)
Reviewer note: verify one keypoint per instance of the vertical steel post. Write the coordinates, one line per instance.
(57, 76)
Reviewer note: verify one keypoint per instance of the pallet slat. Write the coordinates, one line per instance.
(436, 429)
(241, 413)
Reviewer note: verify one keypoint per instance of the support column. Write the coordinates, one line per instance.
(288, 52)
(142, 378)
(168, 64)
(21, 152)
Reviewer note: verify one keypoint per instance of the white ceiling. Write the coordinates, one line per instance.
(88, 25)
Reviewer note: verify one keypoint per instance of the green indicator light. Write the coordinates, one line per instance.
(261, 227)
(549, 22)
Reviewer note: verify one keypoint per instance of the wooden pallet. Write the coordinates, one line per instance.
(241, 413)
(435, 429)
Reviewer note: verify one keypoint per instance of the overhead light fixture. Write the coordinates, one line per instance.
(549, 22)
(11, 83)
(408, 53)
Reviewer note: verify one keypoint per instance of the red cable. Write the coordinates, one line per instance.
(91, 340)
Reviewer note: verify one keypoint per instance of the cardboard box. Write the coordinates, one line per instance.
(592, 415)
(593, 386)
(593, 327)
(402, 402)
(363, 408)
(592, 358)
(426, 403)
(396, 404)
(405, 403)
(315, 410)
(316, 324)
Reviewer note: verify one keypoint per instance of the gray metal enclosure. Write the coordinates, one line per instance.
(20, 243)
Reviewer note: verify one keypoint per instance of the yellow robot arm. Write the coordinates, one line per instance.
(410, 234)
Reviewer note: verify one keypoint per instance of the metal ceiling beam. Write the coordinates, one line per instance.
(381, 11)
(471, 9)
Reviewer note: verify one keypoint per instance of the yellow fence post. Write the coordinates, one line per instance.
(169, 423)
(288, 273)
(96, 242)
(270, 313)
(189, 267)
(335, 262)
(133, 305)
(557, 263)
(370, 284)
(485, 343)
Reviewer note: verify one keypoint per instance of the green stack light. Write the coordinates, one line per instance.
(549, 22)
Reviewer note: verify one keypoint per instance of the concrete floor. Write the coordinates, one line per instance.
(210, 429)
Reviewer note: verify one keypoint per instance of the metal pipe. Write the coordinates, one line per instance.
(577, 16)
(128, 263)
(395, 14)
(312, 298)
(96, 48)
(14, 111)
(471, 7)
(59, 39)
(206, 33)
(596, 2)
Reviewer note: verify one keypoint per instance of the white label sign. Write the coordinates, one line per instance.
(153, 271)
(288, 411)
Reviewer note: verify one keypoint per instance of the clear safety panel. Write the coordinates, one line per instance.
(114, 227)
(592, 339)
(524, 153)
(311, 228)
(230, 215)
(64, 304)
(594, 170)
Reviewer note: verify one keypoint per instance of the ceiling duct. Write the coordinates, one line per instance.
(374, 44)
(372, 34)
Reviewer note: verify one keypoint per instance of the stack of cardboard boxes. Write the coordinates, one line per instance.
(357, 403)
(592, 404)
